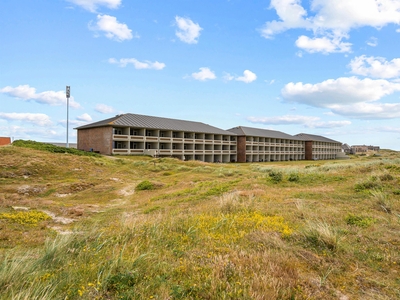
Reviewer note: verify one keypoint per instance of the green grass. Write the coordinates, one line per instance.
(325, 230)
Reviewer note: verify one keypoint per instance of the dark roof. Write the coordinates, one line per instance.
(249, 131)
(142, 121)
(346, 146)
(316, 138)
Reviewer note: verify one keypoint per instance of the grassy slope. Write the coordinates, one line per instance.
(298, 230)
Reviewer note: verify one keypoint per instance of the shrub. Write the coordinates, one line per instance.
(145, 185)
(275, 176)
(294, 177)
(26, 217)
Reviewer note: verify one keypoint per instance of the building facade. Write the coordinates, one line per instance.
(132, 134)
(319, 147)
(4, 141)
(363, 149)
(256, 144)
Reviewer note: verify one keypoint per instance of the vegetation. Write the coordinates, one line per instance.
(94, 227)
(51, 148)
(145, 185)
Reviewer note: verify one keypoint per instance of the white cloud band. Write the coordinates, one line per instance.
(25, 92)
(123, 62)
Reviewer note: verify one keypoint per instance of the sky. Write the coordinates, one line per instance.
(323, 67)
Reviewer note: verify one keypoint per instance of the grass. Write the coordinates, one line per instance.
(279, 230)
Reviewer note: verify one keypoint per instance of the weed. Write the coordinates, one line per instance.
(371, 183)
(359, 220)
(382, 200)
(151, 209)
(322, 235)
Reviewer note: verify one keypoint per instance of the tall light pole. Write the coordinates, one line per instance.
(68, 93)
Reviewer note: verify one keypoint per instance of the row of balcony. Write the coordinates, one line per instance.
(274, 149)
(172, 152)
(143, 132)
(275, 144)
(118, 137)
(274, 152)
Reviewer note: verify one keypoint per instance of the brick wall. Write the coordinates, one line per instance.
(241, 149)
(99, 139)
(308, 150)
(5, 141)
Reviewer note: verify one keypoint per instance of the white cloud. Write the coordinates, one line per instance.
(37, 119)
(248, 76)
(292, 15)
(370, 111)
(306, 121)
(92, 5)
(328, 18)
(104, 109)
(26, 132)
(389, 129)
(204, 74)
(85, 118)
(123, 62)
(372, 42)
(348, 96)
(324, 44)
(188, 31)
(377, 67)
(25, 92)
(112, 28)
(344, 90)
(283, 120)
(328, 124)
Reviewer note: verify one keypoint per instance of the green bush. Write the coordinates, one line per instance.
(145, 185)
(275, 176)
(294, 177)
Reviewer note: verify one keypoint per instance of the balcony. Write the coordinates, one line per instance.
(120, 137)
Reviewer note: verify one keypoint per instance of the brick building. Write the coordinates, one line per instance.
(5, 141)
(132, 134)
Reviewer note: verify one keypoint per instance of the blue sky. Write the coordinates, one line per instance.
(322, 67)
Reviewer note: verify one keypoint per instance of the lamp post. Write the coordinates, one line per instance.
(68, 93)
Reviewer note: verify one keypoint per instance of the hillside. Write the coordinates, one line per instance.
(93, 227)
